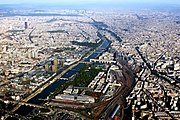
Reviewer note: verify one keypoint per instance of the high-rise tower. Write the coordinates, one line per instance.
(25, 25)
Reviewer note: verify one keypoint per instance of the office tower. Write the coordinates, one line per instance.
(54, 68)
(61, 63)
(46, 67)
(56, 62)
(26, 25)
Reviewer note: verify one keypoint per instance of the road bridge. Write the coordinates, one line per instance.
(103, 61)
(21, 103)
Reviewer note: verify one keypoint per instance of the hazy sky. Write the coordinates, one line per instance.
(89, 1)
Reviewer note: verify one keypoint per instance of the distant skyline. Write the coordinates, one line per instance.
(71, 2)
